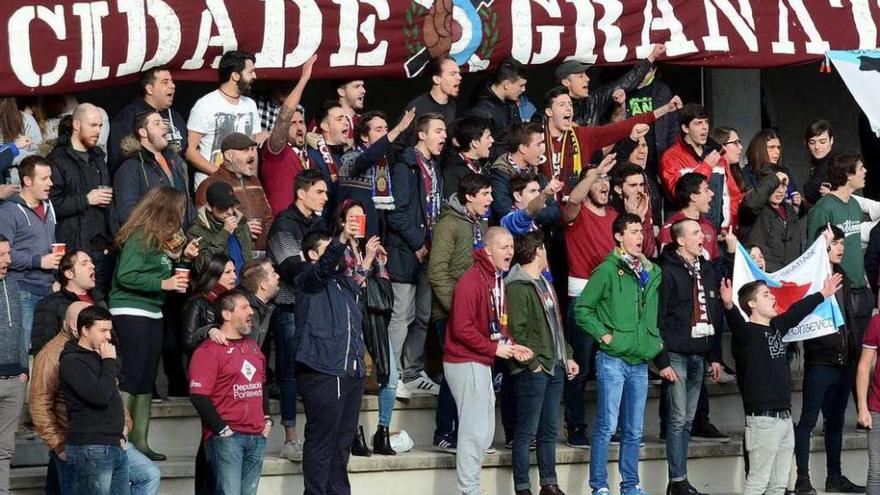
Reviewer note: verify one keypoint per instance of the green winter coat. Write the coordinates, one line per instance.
(137, 280)
(452, 254)
(528, 323)
(612, 303)
(215, 239)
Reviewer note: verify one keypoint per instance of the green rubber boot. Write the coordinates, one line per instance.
(140, 425)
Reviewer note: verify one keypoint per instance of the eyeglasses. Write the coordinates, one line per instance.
(736, 142)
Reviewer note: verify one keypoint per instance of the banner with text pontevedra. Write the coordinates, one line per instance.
(66, 45)
(792, 283)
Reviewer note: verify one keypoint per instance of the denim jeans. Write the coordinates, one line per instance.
(538, 395)
(28, 305)
(682, 396)
(143, 474)
(236, 462)
(615, 378)
(388, 393)
(99, 469)
(446, 415)
(583, 347)
(283, 324)
(872, 487)
(826, 389)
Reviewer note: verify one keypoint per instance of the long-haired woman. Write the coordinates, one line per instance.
(150, 244)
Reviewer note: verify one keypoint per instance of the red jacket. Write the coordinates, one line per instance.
(681, 158)
(467, 332)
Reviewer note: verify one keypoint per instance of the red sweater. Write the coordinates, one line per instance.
(278, 172)
(467, 332)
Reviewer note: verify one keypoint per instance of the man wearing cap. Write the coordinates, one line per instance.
(594, 107)
(239, 171)
(222, 229)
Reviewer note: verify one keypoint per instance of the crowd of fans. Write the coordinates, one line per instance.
(588, 236)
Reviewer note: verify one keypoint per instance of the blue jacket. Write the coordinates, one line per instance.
(329, 317)
(30, 239)
(407, 222)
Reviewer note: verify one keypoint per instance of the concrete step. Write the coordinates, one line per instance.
(713, 467)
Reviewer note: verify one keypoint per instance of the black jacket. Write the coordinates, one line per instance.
(453, 169)
(407, 222)
(284, 245)
(763, 374)
(261, 317)
(140, 172)
(123, 123)
(500, 173)
(79, 225)
(781, 240)
(842, 347)
(198, 316)
(677, 305)
(503, 114)
(595, 109)
(94, 406)
(49, 316)
(818, 175)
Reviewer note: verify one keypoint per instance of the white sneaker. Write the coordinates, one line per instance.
(292, 450)
(402, 392)
(401, 442)
(423, 386)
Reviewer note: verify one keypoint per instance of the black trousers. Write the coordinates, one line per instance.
(331, 405)
(172, 345)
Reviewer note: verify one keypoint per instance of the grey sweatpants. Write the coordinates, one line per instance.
(873, 484)
(770, 447)
(408, 327)
(471, 386)
(11, 402)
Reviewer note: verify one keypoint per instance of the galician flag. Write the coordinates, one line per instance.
(800, 278)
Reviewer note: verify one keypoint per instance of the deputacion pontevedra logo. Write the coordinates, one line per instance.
(466, 30)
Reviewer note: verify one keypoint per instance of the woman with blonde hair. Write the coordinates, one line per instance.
(151, 243)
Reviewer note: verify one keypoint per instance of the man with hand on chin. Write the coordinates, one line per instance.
(475, 336)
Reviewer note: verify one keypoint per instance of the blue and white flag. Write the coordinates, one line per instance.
(860, 70)
(800, 278)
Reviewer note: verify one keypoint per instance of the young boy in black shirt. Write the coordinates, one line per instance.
(765, 383)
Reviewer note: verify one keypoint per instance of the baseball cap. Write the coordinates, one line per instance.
(220, 195)
(570, 67)
(236, 141)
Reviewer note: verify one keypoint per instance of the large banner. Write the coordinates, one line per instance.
(860, 70)
(800, 278)
(65, 45)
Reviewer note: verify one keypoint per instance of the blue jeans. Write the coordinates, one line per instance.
(28, 306)
(682, 396)
(538, 396)
(283, 325)
(615, 378)
(826, 389)
(142, 473)
(388, 393)
(446, 416)
(582, 345)
(98, 469)
(236, 462)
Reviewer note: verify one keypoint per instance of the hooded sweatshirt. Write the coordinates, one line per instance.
(456, 235)
(30, 239)
(468, 332)
(13, 349)
(94, 406)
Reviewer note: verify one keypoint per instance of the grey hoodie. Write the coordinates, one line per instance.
(13, 349)
(29, 239)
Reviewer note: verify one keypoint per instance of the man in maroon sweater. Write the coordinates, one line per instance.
(475, 335)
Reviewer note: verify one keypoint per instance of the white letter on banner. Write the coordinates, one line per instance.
(349, 15)
(550, 35)
(216, 13)
(521, 30)
(91, 41)
(678, 43)
(613, 50)
(20, 45)
(816, 45)
(585, 38)
(168, 28)
(310, 33)
(861, 12)
(272, 52)
(137, 36)
(743, 21)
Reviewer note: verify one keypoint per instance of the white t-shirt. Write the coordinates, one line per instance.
(215, 118)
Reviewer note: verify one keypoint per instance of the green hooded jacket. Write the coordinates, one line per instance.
(612, 303)
(215, 239)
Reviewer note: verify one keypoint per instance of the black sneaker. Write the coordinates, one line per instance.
(692, 490)
(709, 432)
(840, 484)
(445, 444)
(803, 486)
(615, 439)
(681, 488)
(577, 438)
(533, 444)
